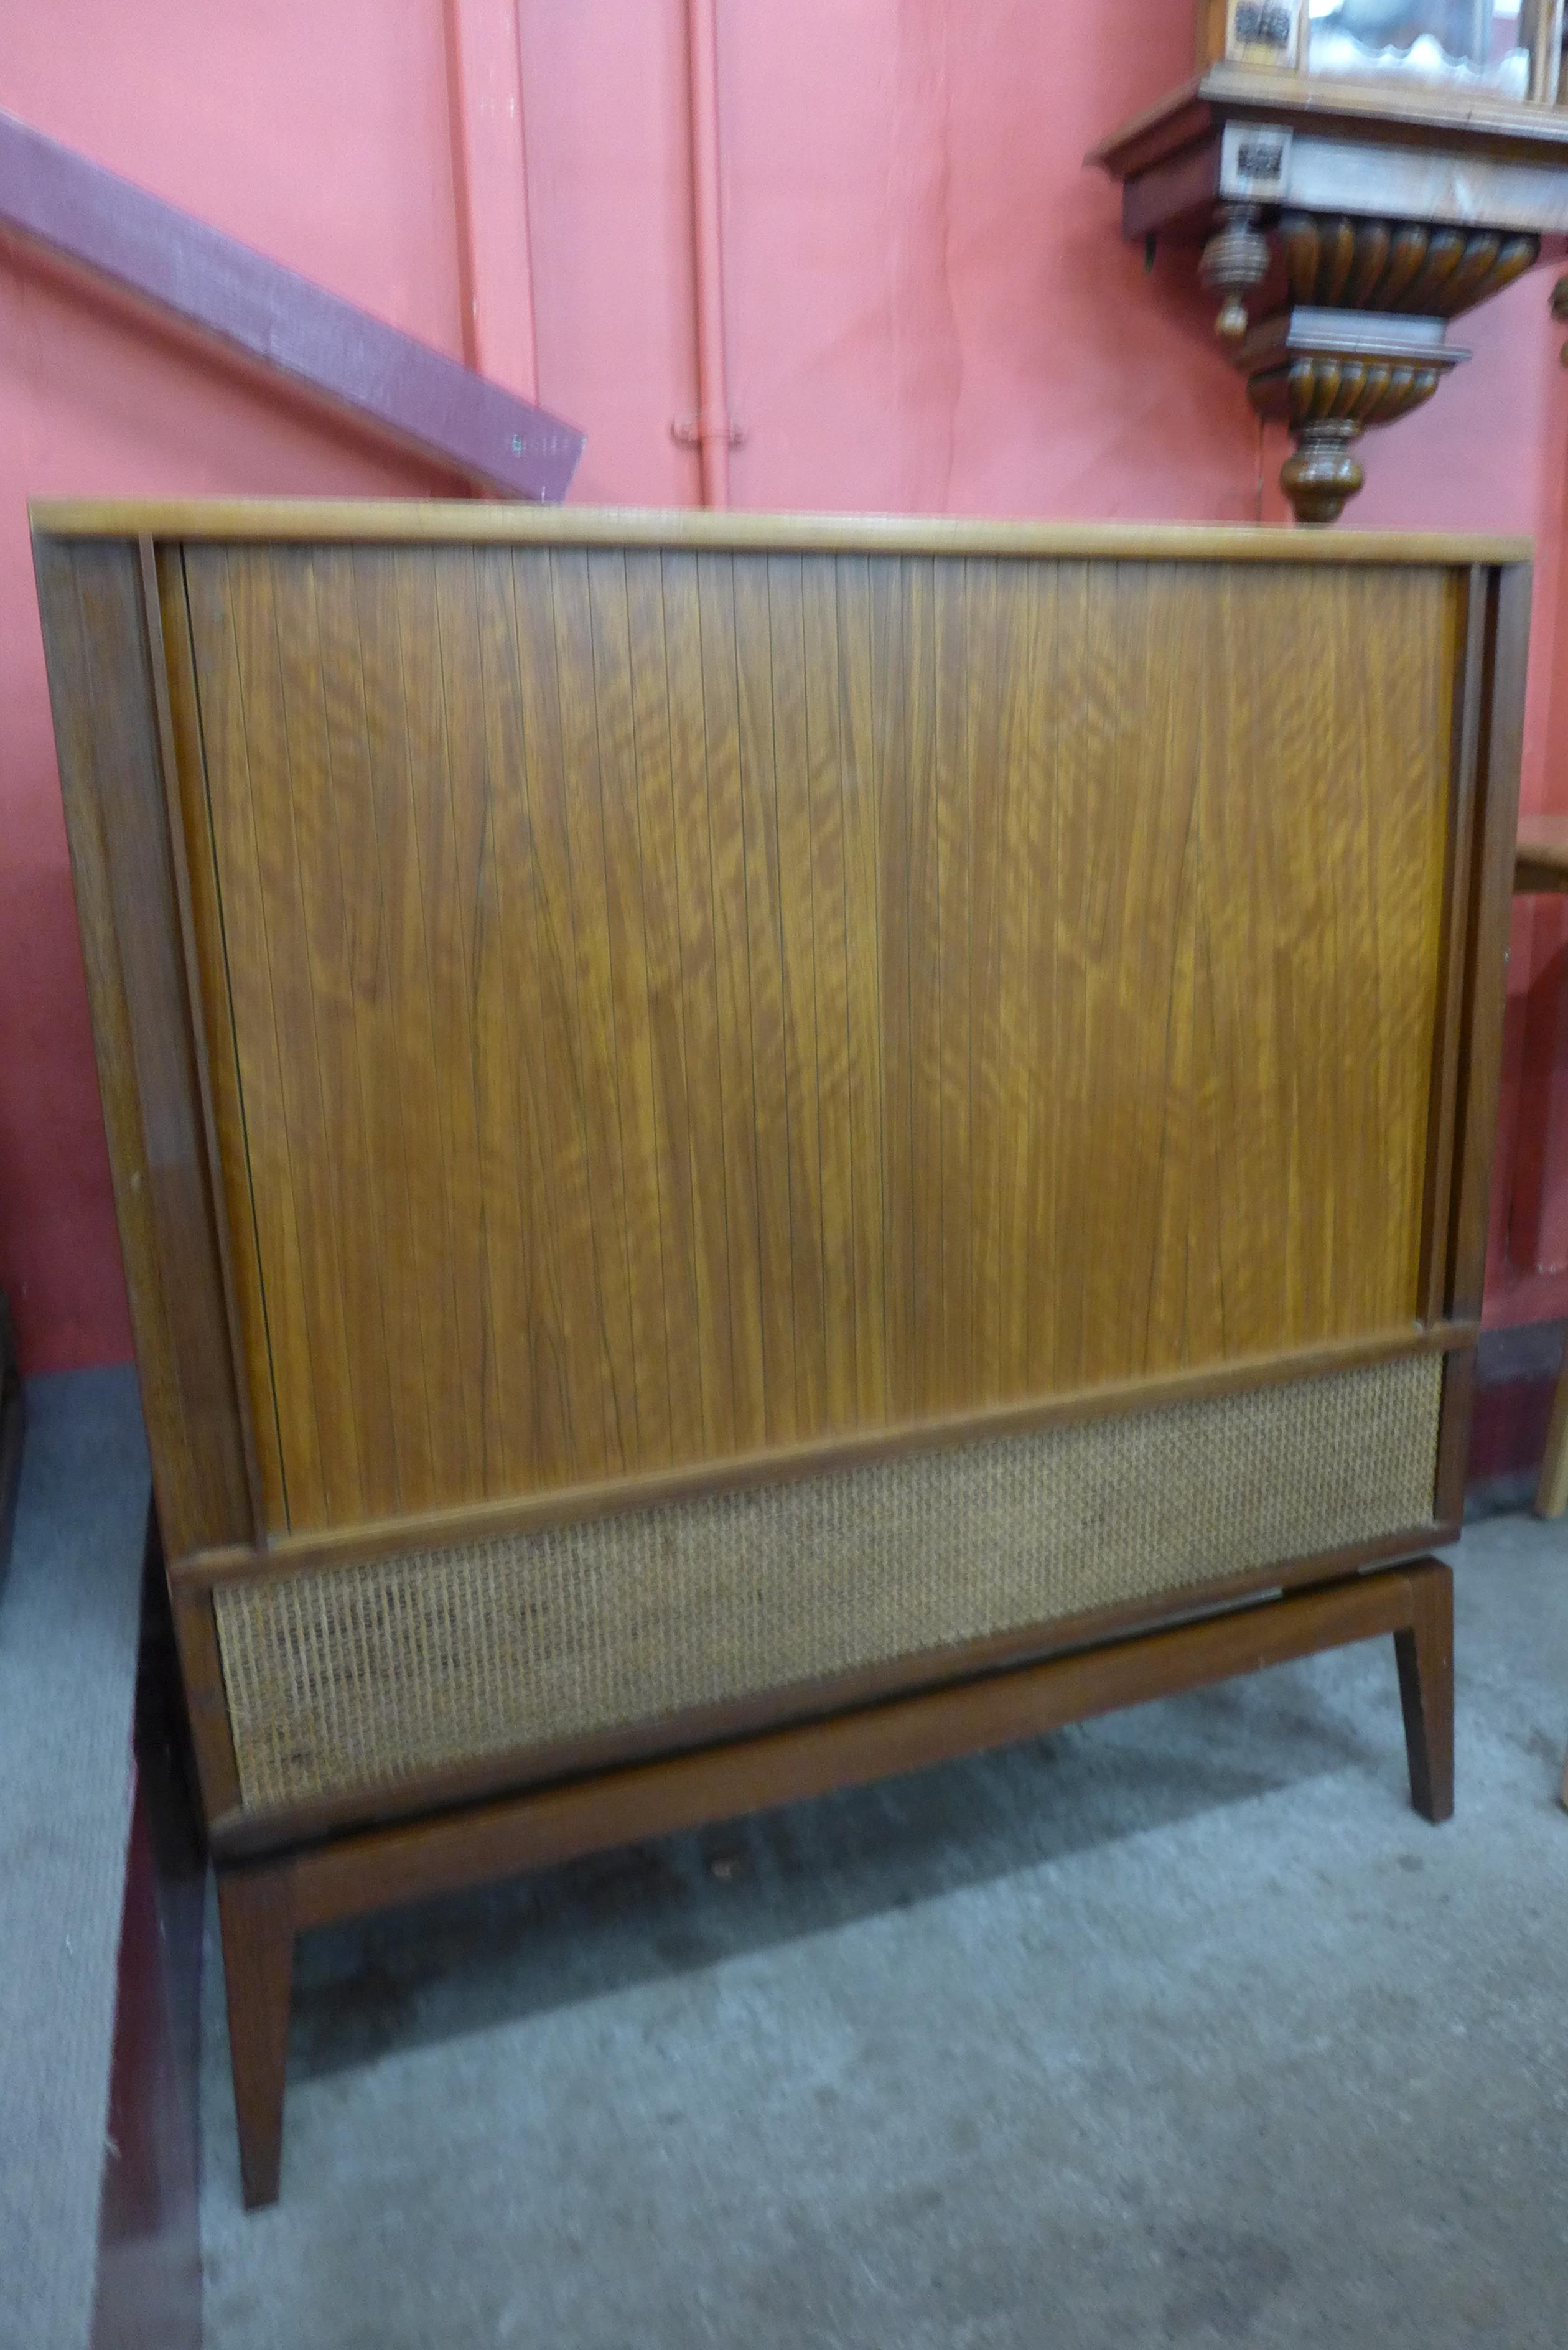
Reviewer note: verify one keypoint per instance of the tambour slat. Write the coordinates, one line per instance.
(689, 1003)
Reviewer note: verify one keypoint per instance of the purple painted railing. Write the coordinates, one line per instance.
(93, 219)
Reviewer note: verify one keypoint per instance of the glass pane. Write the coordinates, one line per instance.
(1467, 41)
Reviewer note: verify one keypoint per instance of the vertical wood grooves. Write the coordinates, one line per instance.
(173, 697)
(307, 1236)
(239, 1165)
(687, 1003)
(1487, 932)
(454, 635)
(1469, 682)
(333, 786)
(306, 808)
(527, 1372)
(366, 853)
(115, 794)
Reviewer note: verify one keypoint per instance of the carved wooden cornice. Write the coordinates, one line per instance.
(1343, 226)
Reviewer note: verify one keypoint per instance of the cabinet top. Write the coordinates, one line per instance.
(426, 521)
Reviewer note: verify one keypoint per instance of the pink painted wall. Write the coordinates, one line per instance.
(318, 130)
(930, 307)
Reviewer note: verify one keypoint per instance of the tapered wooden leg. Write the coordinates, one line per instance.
(1552, 1493)
(1425, 1656)
(255, 1912)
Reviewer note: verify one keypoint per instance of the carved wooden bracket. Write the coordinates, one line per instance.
(1328, 374)
(1363, 340)
(1344, 225)
(1406, 267)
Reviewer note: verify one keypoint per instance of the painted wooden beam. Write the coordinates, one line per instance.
(92, 220)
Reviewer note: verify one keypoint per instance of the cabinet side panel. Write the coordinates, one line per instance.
(207, 975)
(95, 639)
(1486, 973)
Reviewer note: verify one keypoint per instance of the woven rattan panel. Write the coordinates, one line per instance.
(361, 1676)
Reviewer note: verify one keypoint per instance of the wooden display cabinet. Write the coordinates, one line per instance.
(1507, 50)
(1345, 216)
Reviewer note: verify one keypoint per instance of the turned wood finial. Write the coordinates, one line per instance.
(1234, 260)
(1328, 380)
(1322, 473)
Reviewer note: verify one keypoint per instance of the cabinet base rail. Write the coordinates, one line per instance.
(265, 1903)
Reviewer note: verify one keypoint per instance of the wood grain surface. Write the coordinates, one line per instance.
(678, 1003)
(90, 601)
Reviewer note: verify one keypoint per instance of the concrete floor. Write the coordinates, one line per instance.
(1176, 2028)
(67, 1676)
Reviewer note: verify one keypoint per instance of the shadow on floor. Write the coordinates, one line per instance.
(654, 1911)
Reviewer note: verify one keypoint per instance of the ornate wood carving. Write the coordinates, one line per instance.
(1405, 266)
(1319, 388)
(1344, 225)
(1327, 401)
(1235, 259)
(1363, 340)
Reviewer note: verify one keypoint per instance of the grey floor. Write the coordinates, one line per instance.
(69, 1614)
(1176, 2028)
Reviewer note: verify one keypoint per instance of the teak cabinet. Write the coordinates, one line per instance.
(754, 1151)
